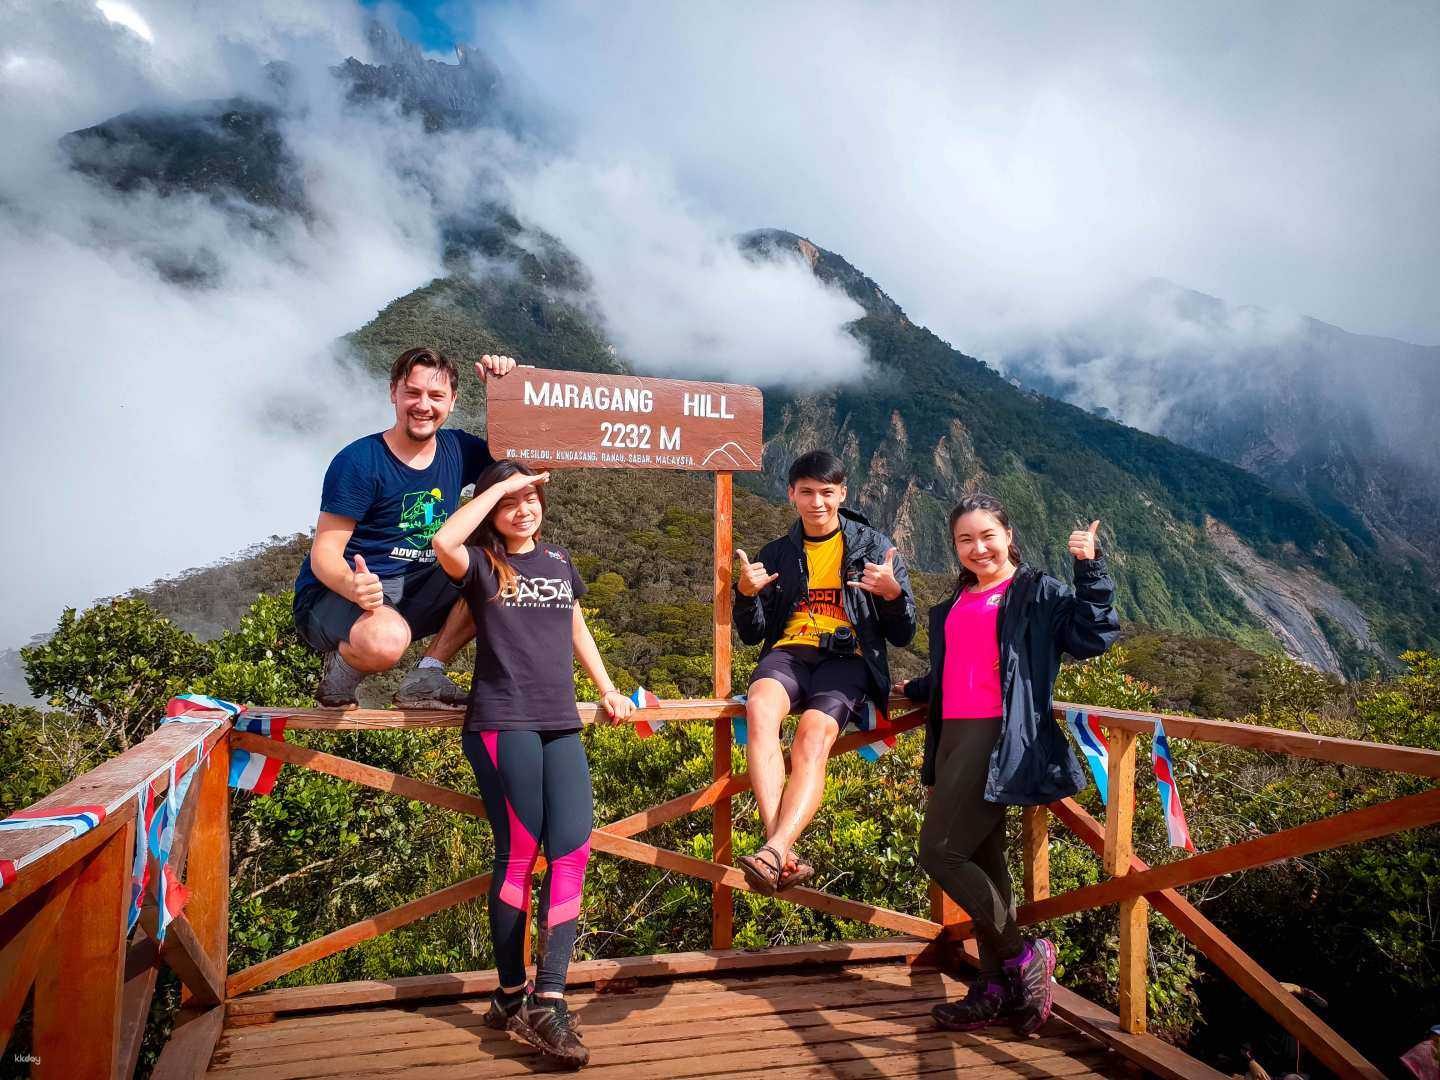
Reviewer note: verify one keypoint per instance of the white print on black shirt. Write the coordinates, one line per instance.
(539, 592)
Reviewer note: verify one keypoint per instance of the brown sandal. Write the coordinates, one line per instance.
(762, 875)
(802, 873)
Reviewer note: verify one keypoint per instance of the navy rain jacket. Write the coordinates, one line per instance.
(762, 618)
(1040, 617)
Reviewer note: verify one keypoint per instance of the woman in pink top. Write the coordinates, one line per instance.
(995, 647)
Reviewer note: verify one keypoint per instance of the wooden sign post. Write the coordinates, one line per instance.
(569, 419)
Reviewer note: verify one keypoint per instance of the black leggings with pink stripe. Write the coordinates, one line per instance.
(536, 787)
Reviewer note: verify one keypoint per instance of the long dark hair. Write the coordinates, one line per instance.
(979, 500)
(486, 537)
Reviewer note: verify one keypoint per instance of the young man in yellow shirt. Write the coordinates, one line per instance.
(824, 600)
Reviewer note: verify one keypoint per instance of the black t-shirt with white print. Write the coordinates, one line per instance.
(524, 676)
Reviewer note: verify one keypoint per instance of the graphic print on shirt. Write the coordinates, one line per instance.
(541, 592)
(421, 515)
(822, 610)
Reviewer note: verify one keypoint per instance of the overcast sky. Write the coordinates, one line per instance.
(1000, 170)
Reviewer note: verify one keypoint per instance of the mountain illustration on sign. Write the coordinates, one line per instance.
(421, 515)
(730, 454)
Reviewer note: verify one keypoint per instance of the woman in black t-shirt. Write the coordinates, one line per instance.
(522, 736)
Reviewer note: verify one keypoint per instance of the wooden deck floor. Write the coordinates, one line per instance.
(854, 1021)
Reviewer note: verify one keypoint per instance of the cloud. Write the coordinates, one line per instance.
(1000, 166)
(169, 361)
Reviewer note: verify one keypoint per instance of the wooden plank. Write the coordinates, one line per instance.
(1151, 1054)
(107, 785)
(368, 775)
(1035, 851)
(186, 1054)
(208, 877)
(1398, 815)
(142, 966)
(339, 940)
(643, 1020)
(722, 898)
(674, 711)
(583, 973)
(1313, 1033)
(1134, 947)
(26, 934)
(681, 1054)
(605, 1024)
(1368, 755)
(202, 976)
(691, 866)
(83, 977)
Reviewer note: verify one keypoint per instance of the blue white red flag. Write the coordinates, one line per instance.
(1095, 746)
(250, 771)
(875, 720)
(648, 725)
(1175, 823)
(78, 819)
(140, 867)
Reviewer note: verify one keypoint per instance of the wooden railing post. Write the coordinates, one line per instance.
(1119, 848)
(1035, 842)
(78, 991)
(207, 870)
(722, 914)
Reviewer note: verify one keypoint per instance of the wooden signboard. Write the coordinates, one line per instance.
(572, 419)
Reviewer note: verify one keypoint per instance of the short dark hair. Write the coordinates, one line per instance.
(410, 359)
(818, 465)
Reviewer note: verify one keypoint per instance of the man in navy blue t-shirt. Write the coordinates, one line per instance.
(370, 585)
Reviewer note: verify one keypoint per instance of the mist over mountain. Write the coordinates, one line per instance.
(1345, 420)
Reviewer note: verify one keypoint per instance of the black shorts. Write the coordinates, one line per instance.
(423, 598)
(838, 686)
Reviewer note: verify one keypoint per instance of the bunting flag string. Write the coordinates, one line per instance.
(649, 725)
(78, 819)
(7, 872)
(250, 771)
(140, 868)
(170, 893)
(1096, 747)
(874, 719)
(1175, 824)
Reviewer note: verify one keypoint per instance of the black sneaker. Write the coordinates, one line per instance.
(429, 688)
(503, 1006)
(337, 684)
(987, 1003)
(1027, 978)
(547, 1024)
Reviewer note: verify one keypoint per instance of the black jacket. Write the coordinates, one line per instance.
(762, 618)
(1041, 617)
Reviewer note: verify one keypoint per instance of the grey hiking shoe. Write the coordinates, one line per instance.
(429, 688)
(987, 1003)
(546, 1023)
(1027, 978)
(337, 684)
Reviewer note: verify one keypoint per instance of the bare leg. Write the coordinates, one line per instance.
(808, 757)
(765, 706)
(378, 640)
(458, 629)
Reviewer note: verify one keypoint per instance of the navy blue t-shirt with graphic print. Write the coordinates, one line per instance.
(397, 509)
(524, 652)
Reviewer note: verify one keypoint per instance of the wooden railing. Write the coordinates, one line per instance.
(62, 918)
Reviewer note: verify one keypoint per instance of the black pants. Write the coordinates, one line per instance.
(962, 841)
(536, 787)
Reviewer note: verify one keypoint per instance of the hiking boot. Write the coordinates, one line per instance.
(987, 1003)
(429, 688)
(504, 1006)
(547, 1023)
(1027, 978)
(338, 682)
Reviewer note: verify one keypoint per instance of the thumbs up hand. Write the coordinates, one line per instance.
(879, 578)
(365, 588)
(1082, 542)
(753, 576)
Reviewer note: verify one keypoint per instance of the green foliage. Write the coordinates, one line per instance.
(1103, 681)
(114, 667)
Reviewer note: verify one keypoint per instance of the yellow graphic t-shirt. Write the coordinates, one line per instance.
(824, 608)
